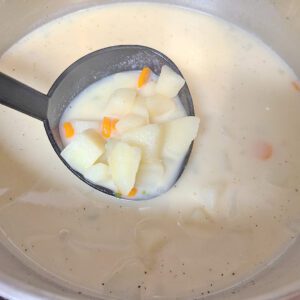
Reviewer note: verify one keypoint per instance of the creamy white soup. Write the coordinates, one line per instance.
(234, 210)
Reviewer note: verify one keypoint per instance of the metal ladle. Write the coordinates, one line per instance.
(82, 73)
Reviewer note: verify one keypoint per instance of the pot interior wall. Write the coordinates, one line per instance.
(276, 22)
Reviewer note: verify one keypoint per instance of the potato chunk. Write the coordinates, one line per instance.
(126, 79)
(148, 89)
(150, 174)
(97, 173)
(100, 174)
(169, 83)
(148, 138)
(111, 143)
(84, 150)
(139, 108)
(178, 135)
(159, 105)
(82, 125)
(130, 122)
(120, 102)
(124, 161)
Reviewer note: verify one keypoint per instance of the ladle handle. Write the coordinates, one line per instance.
(23, 98)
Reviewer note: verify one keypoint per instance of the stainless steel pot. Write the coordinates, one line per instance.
(277, 22)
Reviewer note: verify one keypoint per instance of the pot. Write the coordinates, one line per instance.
(276, 22)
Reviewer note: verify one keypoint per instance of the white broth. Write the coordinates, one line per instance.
(234, 210)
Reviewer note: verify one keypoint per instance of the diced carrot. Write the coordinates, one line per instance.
(263, 150)
(106, 127)
(144, 76)
(113, 124)
(133, 192)
(69, 130)
(296, 85)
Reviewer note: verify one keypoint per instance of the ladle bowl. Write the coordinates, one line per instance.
(81, 74)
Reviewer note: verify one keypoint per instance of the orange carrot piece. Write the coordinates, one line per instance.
(133, 192)
(296, 85)
(263, 150)
(106, 127)
(113, 124)
(69, 130)
(144, 77)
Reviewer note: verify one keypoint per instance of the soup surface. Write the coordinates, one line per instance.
(234, 210)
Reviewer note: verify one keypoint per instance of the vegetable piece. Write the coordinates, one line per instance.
(120, 102)
(97, 173)
(148, 138)
(296, 86)
(113, 124)
(148, 89)
(133, 192)
(178, 135)
(84, 150)
(150, 174)
(82, 125)
(110, 145)
(130, 122)
(126, 80)
(77, 127)
(169, 83)
(68, 130)
(124, 161)
(139, 108)
(159, 105)
(108, 127)
(263, 150)
(144, 76)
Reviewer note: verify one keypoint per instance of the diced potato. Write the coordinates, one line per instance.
(76, 127)
(108, 184)
(130, 122)
(100, 174)
(110, 145)
(179, 112)
(97, 173)
(150, 174)
(178, 135)
(126, 80)
(120, 102)
(159, 105)
(139, 108)
(124, 161)
(148, 138)
(169, 83)
(82, 125)
(148, 89)
(84, 150)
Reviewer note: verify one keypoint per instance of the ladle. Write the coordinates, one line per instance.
(82, 73)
